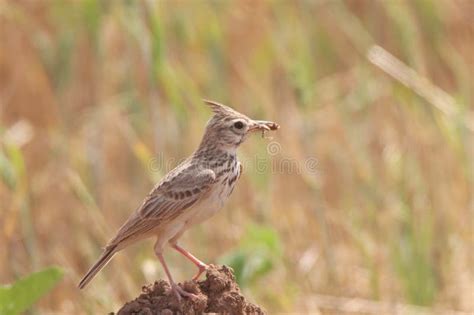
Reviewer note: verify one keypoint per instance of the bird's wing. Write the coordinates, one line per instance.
(178, 191)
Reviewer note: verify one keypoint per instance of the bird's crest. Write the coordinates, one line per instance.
(220, 109)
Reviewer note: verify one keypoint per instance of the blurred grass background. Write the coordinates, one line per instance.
(91, 92)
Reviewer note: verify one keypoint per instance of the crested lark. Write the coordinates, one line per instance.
(189, 194)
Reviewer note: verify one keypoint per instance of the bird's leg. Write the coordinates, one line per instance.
(201, 266)
(178, 291)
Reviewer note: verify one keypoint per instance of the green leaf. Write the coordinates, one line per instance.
(7, 173)
(258, 253)
(21, 295)
(262, 237)
(236, 260)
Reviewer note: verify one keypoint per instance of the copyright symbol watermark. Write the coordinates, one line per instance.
(273, 148)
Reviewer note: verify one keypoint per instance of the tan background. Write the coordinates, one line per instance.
(93, 95)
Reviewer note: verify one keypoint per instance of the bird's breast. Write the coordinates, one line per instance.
(226, 179)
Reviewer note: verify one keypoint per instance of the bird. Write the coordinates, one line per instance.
(189, 194)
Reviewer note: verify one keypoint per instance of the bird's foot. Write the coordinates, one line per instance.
(201, 269)
(180, 292)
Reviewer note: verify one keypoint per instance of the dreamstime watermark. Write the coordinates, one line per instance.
(274, 148)
(273, 162)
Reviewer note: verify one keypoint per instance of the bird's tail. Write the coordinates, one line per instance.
(103, 260)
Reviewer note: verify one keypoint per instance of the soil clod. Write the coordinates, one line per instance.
(218, 293)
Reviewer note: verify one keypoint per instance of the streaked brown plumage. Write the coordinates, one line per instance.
(189, 194)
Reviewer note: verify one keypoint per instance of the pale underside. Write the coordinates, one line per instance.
(187, 196)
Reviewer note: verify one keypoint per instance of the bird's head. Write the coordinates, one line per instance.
(229, 128)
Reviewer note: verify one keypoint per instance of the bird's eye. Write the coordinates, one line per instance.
(239, 125)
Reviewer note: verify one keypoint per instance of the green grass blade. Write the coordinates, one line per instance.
(20, 296)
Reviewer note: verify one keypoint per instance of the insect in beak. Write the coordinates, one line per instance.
(264, 126)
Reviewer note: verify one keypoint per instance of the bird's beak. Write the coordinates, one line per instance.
(263, 125)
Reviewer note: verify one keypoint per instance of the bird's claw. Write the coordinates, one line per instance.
(180, 292)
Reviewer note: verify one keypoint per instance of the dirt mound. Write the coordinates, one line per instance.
(218, 293)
